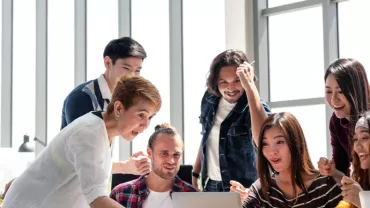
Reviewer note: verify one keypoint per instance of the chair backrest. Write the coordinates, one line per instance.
(184, 173)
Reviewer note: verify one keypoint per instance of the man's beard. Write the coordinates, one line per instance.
(162, 174)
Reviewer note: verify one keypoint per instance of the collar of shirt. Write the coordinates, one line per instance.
(178, 186)
(134, 193)
(104, 88)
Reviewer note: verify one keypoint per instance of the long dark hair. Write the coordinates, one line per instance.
(352, 80)
(361, 175)
(226, 58)
(300, 158)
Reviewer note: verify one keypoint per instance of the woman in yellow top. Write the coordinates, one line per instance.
(360, 161)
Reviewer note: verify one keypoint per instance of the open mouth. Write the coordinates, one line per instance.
(275, 161)
(135, 133)
(363, 156)
(232, 94)
(338, 107)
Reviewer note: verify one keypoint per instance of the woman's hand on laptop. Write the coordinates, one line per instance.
(239, 188)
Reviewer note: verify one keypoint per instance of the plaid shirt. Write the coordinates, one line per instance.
(132, 194)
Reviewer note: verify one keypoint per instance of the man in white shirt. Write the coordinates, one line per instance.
(231, 117)
(121, 56)
(165, 148)
(74, 169)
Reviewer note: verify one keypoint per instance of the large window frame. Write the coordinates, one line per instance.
(254, 40)
(261, 49)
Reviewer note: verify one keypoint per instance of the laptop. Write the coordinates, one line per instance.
(206, 199)
(364, 198)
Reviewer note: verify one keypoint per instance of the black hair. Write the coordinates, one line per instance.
(124, 47)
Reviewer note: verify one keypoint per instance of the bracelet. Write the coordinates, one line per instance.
(196, 175)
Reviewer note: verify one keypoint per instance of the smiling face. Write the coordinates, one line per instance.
(229, 84)
(135, 119)
(276, 150)
(361, 144)
(335, 98)
(166, 155)
(121, 67)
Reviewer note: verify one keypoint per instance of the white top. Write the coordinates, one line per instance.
(158, 199)
(212, 146)
(72, 171)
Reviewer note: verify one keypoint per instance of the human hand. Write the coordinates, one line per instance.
(194, 182)
(350, 191)
(326, 167)
(239, 188)
(246, 74)
(7, 186)
(138, 164)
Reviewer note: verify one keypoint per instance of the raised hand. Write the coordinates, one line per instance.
(246, 74)
(326, 167)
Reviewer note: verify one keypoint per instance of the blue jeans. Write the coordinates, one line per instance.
(214, 186)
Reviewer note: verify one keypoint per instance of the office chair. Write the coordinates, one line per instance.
(184, 173)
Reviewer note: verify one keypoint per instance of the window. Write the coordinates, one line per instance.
(313, 123)
(354, 31)
(274, 3)
(296, 55)
(204, 39)
(1, 49)
(60, 60)
(102, 27)
(24, 65)
(150, 27)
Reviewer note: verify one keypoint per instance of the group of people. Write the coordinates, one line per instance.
(244, 148)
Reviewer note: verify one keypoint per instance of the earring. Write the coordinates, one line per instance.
(116, 116)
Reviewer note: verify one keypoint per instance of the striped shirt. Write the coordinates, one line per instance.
(323, 192)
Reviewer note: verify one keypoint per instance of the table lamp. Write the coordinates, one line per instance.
(26, 154)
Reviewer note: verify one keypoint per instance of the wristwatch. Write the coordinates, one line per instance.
(196, 175)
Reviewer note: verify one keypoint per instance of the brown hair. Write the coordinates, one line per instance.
(161, 128)
(226, 58)
(130, 89)
(361, 175)
(300, 158)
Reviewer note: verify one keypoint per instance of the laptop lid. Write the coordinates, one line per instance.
(206, 199)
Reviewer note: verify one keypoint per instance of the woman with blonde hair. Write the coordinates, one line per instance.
(74, 169)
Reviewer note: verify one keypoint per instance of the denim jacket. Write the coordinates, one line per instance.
(237, 151)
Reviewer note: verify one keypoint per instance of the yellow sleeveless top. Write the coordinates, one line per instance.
(343, 204)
